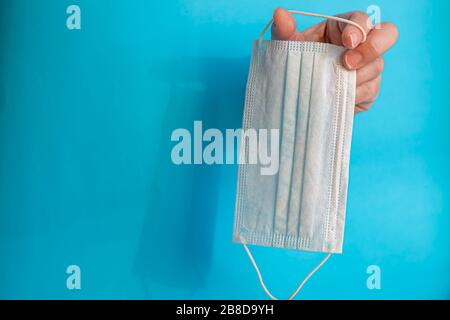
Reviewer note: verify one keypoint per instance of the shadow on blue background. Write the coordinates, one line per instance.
(86, 177)
(183, 201)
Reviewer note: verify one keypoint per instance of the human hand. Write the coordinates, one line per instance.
(366, 58)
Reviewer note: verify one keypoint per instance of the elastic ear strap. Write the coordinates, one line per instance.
(319, 16)
(261, 281)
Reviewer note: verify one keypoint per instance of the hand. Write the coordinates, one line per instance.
(366, 58)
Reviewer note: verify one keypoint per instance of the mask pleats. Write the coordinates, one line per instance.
(287, 134)
(303, 119)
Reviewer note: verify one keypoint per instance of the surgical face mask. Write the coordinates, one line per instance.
(301, 89)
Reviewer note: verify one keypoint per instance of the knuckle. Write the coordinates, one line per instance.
(360, 15)
(379, 65)
(363, 92)
(369, 90)
(363, 107)
(363, 18)
(374, 89)
(372, 49)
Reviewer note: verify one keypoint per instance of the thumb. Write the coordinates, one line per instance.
(283, 27)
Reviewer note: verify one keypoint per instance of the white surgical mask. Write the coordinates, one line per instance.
(302, 89)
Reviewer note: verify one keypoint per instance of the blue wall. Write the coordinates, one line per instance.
(85, 171)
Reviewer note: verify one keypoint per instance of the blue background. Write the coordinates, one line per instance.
(85, 171)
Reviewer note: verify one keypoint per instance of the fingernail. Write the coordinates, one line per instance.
(353, 39)
(352, 59)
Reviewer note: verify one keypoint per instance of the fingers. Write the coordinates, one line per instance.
(351, 36)
(370, 71)
(367, 93)
(284, 26)
(359, 109)
(378, 42)
(363, 57)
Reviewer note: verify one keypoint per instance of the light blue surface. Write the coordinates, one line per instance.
(86, 176)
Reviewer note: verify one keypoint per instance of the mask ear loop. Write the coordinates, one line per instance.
(319, 16)
(261, 281)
